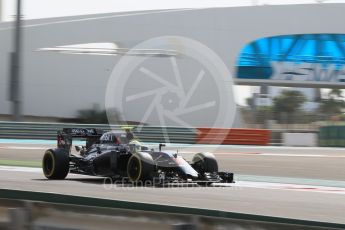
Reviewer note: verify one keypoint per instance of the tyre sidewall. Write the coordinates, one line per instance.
(59, 158)
(146, 167)
(207, 161)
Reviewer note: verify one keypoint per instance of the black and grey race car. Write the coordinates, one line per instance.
(118, 155)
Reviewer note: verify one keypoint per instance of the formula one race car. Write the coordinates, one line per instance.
(118, 155)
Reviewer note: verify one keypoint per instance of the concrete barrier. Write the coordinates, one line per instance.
(37, 210)
(300, 139)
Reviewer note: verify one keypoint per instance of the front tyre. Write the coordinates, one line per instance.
(55, 164)
(140, 167)
(205, 163)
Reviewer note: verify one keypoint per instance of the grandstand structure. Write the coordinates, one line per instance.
(299, 45)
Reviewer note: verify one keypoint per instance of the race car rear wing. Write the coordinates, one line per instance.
(66, 135)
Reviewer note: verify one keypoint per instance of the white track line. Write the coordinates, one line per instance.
(291, 187)
(281, 155)
(265, 154)
(22, 147)
(20, 169)
(293, 155)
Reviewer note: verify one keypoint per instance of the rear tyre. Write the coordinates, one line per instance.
(140, 167)
(55, 164)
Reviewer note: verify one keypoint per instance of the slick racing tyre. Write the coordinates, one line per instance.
(205, 163)
(140, 167)
(55, 164)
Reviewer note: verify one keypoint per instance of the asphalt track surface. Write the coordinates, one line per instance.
(293, 200)
(314, 163)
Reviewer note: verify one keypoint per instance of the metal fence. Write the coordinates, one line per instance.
(48, 131)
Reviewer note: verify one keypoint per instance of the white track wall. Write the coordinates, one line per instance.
(300, 139)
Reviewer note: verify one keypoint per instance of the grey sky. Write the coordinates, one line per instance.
(57, 8)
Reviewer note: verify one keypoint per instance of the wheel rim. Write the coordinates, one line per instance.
(48, 164)
(134, 168)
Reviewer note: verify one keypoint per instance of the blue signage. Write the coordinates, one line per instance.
(305, 57)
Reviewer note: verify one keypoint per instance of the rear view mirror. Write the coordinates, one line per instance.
(77, 148)
(160, 147)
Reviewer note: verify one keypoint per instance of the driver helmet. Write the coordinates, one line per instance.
(135, 146)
